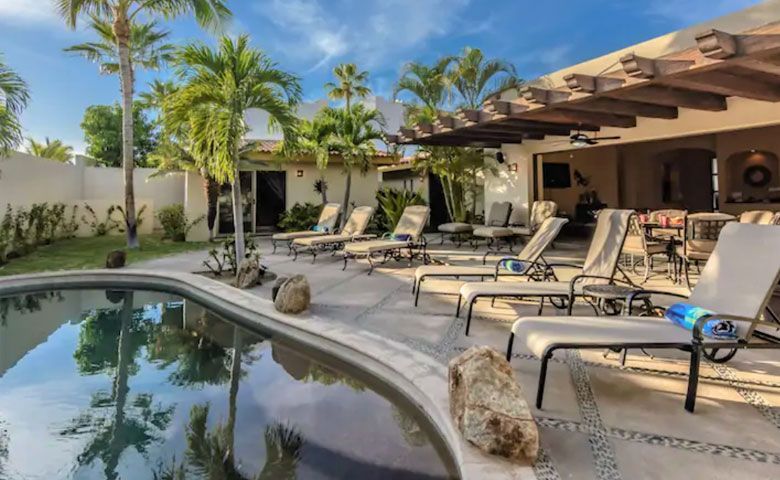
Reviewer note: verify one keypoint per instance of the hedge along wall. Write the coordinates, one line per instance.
(26, 179)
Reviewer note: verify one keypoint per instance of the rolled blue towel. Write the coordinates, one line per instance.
(686, 315)
(513, 265)
(320, 228)
(401, 237)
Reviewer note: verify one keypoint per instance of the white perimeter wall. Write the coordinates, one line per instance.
(26, 179)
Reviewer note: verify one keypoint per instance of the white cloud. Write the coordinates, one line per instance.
(29, 12)
(368, 33)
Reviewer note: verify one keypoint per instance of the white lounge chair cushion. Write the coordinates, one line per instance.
(538, 333)
(493, 232)
(455, 227)
(453, 271)
(371, 246)
(325, 240)
(470, 291)
(294, 235)
(521, 230)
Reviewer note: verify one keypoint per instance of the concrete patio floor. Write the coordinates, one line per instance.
(600, 419)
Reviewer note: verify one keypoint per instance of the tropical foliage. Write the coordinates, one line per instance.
(175, 223)
(51, 149)
(300, 217)
(219, 86)
(392, 203)
(102, 127)
(350, 83)
(23, 230)
(463, 81)
(123, 17)
(14, 96)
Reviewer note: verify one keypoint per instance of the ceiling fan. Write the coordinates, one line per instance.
(580, 140)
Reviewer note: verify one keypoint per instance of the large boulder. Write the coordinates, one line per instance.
(277, 285)
(488, 406)
(248, 273)
(294, 295)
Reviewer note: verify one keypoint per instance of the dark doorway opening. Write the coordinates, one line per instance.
(271, 199)
(437, 202)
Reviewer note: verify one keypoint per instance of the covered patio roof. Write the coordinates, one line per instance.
(721, 65)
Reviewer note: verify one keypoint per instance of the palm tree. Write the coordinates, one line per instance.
(52, 149)
(428, 87)
(350, 83)
(220, 85)
(122, 15)
(353, 135)
(14, 96)
(476, 78)
(172, 153)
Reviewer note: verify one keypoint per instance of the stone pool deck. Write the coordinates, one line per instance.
(601, 420)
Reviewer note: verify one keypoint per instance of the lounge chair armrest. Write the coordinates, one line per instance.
(573, 282)
(565, 265)
(632, 296)
(698, 327)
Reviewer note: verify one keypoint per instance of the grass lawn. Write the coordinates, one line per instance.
(84, 253)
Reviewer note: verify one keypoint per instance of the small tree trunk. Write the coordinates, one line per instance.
(235, 376)
(238, 217)
(122, 33)
(345, 206)
(212, 198)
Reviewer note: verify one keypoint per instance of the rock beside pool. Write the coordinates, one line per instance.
(116, 259)
(294, 295)
(488, 407)
(277, 285)
(248, 273)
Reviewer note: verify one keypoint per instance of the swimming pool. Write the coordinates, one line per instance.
(143, 384)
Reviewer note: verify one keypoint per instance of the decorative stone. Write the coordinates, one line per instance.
(277, 285)
(248, 273)
(294, 295)
(488, 407)
(116, 259)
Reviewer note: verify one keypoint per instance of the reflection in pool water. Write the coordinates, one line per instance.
(122, 384)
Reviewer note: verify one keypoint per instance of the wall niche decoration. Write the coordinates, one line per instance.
(757, 176)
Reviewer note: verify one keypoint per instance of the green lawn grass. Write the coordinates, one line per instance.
(84, 253)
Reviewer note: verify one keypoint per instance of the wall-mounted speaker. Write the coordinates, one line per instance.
(500, 158)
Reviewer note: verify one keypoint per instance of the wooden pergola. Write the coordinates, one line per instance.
(721, 65)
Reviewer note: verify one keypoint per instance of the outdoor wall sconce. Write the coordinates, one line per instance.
(299, 173)
(512, 167)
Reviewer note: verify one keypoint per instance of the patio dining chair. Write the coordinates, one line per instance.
(325, 225)
(354, 231)
(735, 286)
(495, 228)
(408, 235)
(531, 261)
(600, 267)
(700, 236)
(638, 245)
(541, 210)
(758, 217)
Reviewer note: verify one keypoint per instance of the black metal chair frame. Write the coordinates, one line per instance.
(697, 347)
(417, 248)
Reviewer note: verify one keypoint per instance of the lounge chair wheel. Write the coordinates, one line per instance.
(717, 355)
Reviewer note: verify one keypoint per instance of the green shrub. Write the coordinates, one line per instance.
(100, 228)
(139, 217)
(175, 223)
(300, 217)
(71, 225)
(392, 203)
(6, 234)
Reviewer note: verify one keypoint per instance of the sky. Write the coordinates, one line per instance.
(310, 37)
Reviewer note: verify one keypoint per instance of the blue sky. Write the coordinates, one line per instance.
(309, 37)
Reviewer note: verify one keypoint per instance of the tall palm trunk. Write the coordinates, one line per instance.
(238, 217)
(211, 187)
(122, 33)
(345, 206)
(120, 387)
(235, 376)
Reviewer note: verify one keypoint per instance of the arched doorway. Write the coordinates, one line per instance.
(689, 178)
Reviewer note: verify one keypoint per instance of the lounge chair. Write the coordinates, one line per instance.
(353, 231)
(530, 255)
(758, 217)
(325, 225)
(498, 216)
(601, 264)
(495, 228)
(736, 283)
(406, 236)
(541, 210)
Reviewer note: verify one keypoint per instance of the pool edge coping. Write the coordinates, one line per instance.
(418, 377)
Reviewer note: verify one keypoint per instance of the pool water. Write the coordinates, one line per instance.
(147, 385)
